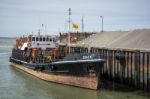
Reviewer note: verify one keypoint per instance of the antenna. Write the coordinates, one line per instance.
(45, 29)
(39, 32)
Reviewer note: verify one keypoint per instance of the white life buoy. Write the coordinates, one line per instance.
(29, 44)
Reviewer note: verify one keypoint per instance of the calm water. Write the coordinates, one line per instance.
(15, 84)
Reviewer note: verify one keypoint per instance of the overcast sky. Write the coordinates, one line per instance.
(18, 17)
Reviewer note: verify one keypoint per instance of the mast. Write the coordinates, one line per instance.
(82, 24)
(69, 29)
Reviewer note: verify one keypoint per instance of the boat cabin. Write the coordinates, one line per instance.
(41, 41)
(36, 42)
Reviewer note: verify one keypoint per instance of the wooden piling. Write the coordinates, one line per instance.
(130, 67)
(127, 66)
(143, 70)
(139, 71)
(106, 62)
(133, 69)
(113, 65)
(148, 71)
(110, 63)
(117, 70)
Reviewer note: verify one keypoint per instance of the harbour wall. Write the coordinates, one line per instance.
(126, 54)
(127, 66)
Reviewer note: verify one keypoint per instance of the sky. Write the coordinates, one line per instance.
(20, 17)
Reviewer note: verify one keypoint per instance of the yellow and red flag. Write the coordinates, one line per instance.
(75, 26)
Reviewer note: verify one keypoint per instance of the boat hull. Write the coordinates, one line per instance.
(90, 82)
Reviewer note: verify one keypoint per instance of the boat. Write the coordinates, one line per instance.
(34, 54)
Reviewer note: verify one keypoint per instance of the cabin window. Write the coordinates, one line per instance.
(33, 38)
(25, 48)
(54, 40)
(40, 38)
(44, 39)
(37, 39)
(47, 39)
(50, 39)
(29, 38)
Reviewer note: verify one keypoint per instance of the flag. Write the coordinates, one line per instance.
(75, 26)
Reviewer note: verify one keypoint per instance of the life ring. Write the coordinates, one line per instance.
(29, 44)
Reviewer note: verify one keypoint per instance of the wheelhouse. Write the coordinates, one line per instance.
(41, 41)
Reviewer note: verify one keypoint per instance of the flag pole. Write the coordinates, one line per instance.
(82, 20)
(69, 29)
